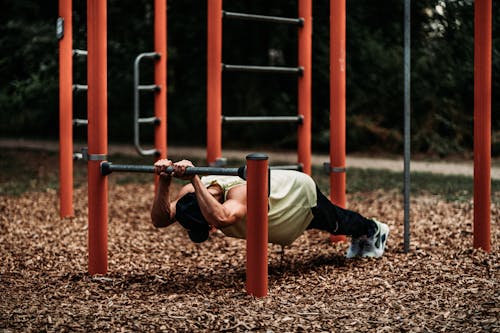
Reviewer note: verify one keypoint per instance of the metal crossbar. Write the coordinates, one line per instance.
(148, 87)
(80, 53)
(263, 18)
(257, 119)
(263, 69)
(80, 122)
(80, 87)
(149, 120)
(108, 167)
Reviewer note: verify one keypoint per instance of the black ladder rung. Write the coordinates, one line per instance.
(80, 122)
(263, 69)
(148, 87)
(80, 87)
(80, 53)
(269, 119)
(263, 18)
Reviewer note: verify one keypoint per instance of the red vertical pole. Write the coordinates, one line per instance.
(304, 85)
(257, 229)
(214, 80)
(160, 40)
(482, 124)
(337, 104)
(66, 108)
(97, 136)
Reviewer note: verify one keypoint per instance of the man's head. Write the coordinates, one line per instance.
(188, 213)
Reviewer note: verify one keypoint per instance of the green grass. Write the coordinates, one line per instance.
(24, 170)
(449, 187)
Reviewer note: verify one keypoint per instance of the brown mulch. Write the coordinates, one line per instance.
(159, 281)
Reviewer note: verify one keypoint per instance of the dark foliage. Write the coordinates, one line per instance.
(442, 72)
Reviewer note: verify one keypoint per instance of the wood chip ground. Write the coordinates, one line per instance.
(159, 281)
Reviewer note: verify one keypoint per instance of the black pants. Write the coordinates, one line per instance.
(338, 221)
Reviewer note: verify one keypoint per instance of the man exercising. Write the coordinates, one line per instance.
(295, 205)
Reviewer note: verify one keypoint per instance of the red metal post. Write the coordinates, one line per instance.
(304, 85)
(160, 39)
(214, 80)
(97, 136)
(337, 104)
(482, 124)
(257, 224)
(66, 109)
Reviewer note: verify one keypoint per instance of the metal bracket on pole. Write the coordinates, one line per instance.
(329, 169)
(60, 28)
(93, 157)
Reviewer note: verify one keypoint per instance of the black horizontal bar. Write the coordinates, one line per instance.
(263, 18)
(108, 167)
(273, 119)
(263, 69)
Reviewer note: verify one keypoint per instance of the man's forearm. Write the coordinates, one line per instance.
(212, 210)
(160, 212)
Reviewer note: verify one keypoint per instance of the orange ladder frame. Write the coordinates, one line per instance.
(214, 83)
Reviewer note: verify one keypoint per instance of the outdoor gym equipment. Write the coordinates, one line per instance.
(97, 109)
(302, 71)
(257, 175)
(67, 88)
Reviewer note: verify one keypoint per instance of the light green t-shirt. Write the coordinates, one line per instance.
(291, 198)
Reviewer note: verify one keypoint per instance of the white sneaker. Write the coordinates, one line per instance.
(374, 246)
(357, 244)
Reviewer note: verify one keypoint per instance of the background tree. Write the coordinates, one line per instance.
(442, 72)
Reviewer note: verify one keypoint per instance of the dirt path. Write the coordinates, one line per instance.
(394, 164)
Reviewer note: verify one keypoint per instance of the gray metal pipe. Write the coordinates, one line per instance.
(263, 18)
(263, 69)
(137, 89)
(108, 167)
(407, 119)
(258, 119)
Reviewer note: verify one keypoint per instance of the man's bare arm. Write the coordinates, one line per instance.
(217, 214)
(161, 212)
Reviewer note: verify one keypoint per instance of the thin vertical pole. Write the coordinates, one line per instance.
(257, 224)
(214, 80)
(482, 124)
(304, 85)
(66, 109)
(160, 40)
(97, 136)
(407, 119)
(337, 105)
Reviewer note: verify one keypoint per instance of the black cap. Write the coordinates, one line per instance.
(188, 213)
